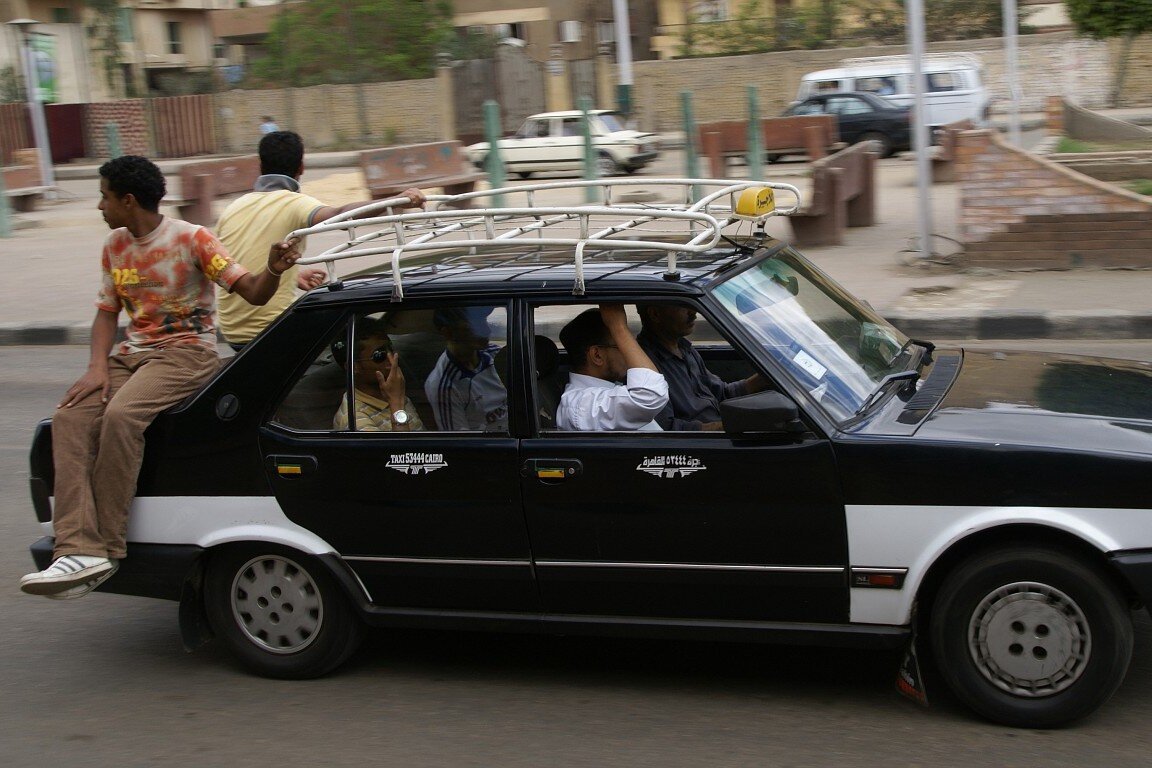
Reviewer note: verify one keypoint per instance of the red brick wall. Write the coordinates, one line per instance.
(133, 125)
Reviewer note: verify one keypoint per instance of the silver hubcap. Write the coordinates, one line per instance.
(1029, 639)
(276, 604)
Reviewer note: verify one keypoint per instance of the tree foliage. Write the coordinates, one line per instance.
(759, 25)
(1104, 19)
(350, 41)
(753, 29)
(885, 21)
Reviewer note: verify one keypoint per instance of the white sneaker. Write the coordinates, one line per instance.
(74, 592)
(64, 573)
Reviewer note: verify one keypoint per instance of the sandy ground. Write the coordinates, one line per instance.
(337, 188)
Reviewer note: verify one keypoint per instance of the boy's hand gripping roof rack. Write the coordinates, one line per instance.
(705, 209)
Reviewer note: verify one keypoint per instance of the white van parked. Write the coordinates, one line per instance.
(953, 88)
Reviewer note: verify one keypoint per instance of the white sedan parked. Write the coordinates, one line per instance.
(554, 141)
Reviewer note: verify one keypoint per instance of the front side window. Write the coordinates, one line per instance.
(700, 369)
(572, 127)
(834, 347)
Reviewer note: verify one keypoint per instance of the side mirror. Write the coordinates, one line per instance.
(762, 414)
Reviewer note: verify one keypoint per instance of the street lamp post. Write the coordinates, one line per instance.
(36, 106)
(623, 55)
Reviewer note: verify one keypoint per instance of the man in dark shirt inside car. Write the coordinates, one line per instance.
(694, 392)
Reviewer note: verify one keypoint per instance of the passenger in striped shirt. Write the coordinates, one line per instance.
(464, 389)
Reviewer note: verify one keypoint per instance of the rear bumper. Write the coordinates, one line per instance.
(150, 570)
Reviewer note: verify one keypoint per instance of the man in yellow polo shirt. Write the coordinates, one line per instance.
(250, 224)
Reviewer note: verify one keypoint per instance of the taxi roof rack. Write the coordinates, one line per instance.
(694, 223)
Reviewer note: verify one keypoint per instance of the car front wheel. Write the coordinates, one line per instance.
(1031, 637)
(606, 166)
(281, 614)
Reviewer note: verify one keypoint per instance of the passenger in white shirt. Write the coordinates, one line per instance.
(602, 352)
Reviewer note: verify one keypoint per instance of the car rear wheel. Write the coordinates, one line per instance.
(885, 148)
(1031, 637)
(281, 614)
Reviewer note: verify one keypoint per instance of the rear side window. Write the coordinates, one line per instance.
(448, 357)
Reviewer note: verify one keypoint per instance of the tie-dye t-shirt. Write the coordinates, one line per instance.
(163, 281)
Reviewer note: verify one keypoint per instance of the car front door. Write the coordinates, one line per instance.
(690, 525)
(429, 518)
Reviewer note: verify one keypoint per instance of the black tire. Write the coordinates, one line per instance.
(771, 158)
(1031, 637)
(280, 612)
(606, 166)
(882, 139)
(483, 166)
(524, 174)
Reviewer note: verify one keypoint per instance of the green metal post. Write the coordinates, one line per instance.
(5, 213)
(494, 164)
(590, 173)
(624, 99)
(112, 132)
(691, 163)
(755, 159)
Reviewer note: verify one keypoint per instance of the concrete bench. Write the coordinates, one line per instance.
(391, 170)
(812, 135)
(23, 187)
(205, 181)
(944, 157)
(843, 195)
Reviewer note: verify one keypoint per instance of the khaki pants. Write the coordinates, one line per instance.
(98, 447)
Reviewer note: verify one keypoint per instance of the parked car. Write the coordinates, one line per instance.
(992, 508)
(862, 116)
(953, 84)
(554, 141)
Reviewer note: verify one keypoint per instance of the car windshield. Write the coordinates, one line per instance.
(836, 348)
(611, 122)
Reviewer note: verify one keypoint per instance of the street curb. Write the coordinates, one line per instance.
(930, 325)
(1024, 324)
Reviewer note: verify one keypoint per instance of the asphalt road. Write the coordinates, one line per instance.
(103, 682)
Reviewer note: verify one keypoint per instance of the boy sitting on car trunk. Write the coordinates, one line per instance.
(161, 272)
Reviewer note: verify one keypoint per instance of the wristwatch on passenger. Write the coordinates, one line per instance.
(400, 416)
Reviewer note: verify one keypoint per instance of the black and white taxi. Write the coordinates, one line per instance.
(988, 509)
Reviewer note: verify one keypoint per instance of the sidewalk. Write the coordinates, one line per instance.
(53, 264)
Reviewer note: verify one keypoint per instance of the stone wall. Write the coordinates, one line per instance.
(1138, 82)
(1021, 211)
(329, 116)
(129, 115)
(1086, 125)
(1049, 64)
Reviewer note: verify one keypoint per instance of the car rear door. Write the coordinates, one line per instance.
(428, 519)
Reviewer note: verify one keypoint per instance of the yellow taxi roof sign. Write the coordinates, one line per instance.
(755, 203)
